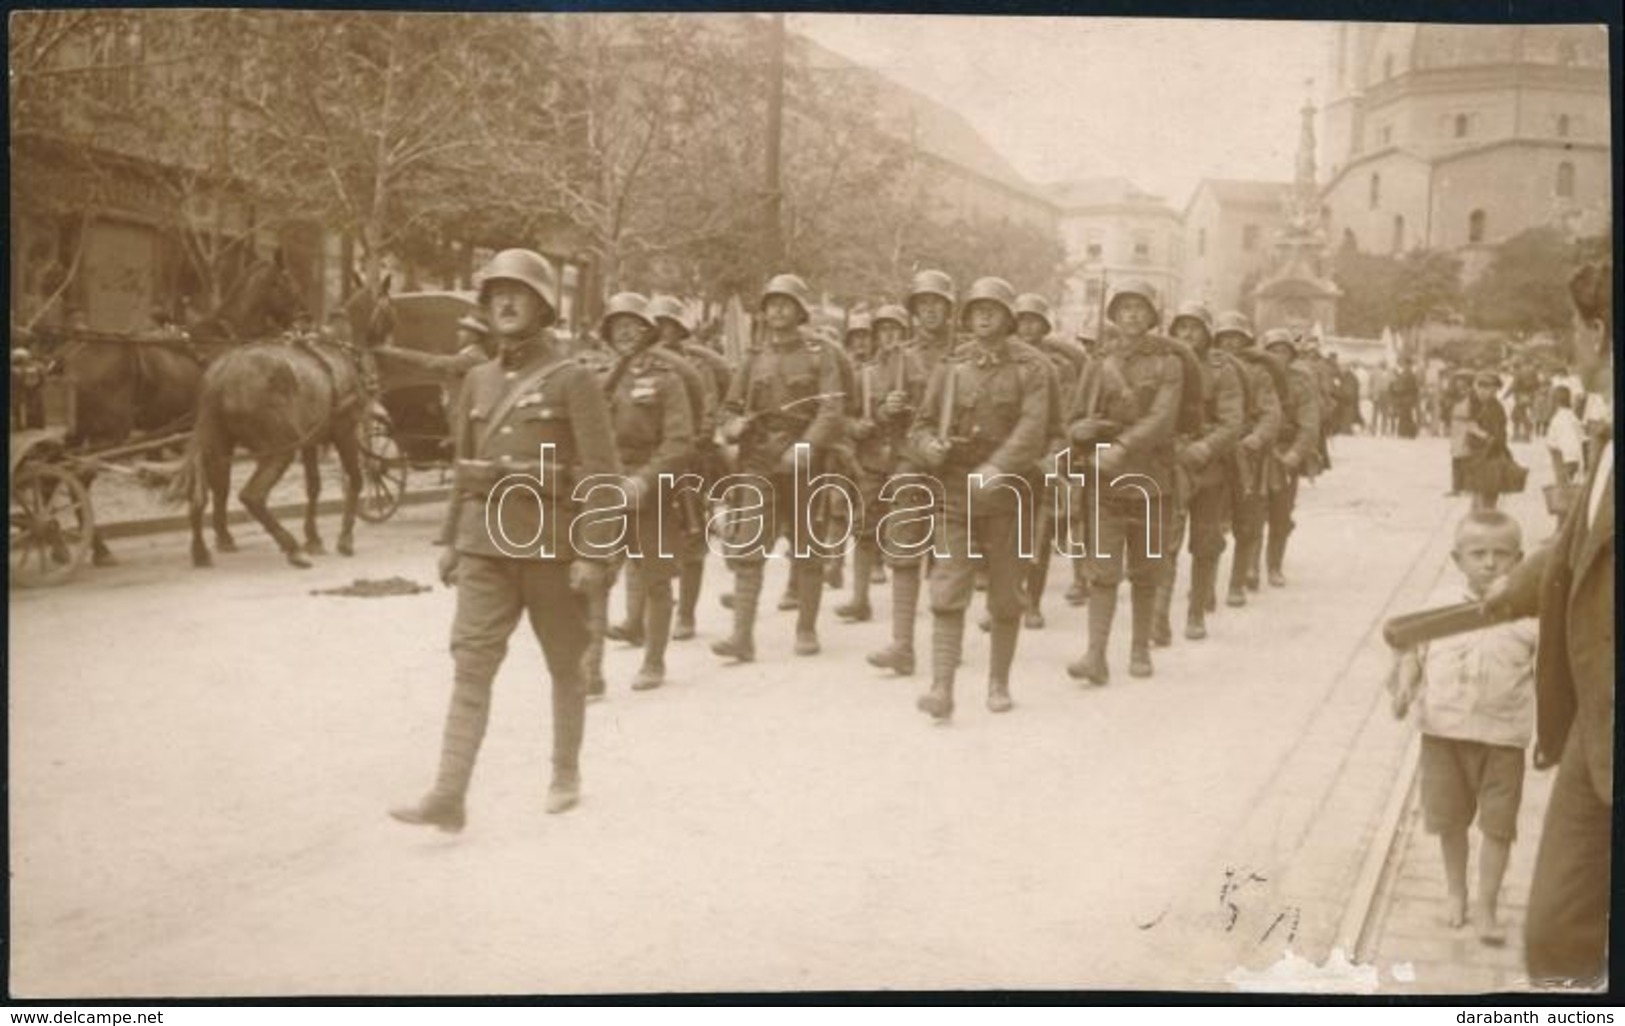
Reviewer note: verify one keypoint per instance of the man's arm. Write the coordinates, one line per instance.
(1156, 424)
(1024, 446)
(825, 427)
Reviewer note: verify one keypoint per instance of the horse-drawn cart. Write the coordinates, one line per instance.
(416, 393)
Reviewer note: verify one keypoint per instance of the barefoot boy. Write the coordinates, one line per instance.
(1476, 714)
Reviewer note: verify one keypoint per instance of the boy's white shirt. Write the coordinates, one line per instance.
(1564, 435)
(1480, 685)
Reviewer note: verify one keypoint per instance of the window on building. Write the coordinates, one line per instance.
(1094, 246)
(1398, 245)
(1376, 190)
(1201, 242)
(1565, 180)
(1562, 126)
(1142, 247)
(1476, 222)
(1463, 124)
(1249, 237)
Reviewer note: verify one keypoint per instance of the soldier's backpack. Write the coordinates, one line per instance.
(1192, 409)
(693, 384)
(1249, 402)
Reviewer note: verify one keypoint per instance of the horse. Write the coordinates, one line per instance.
(150, 384)
(277, 400)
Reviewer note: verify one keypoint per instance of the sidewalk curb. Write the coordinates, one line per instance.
(1380, 859)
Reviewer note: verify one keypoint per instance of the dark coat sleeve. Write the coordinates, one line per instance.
(1024, 446)
(1156, 424)
(595, 450)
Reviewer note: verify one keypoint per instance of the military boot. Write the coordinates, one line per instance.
(657, 621)
(1203, 569)
(689, 578)
(1002, 654)
(835, 572)
(947, 635)
(1162, 628)
(905, 589)
(1275, 557)
(791, 597)
(858, 610)
(466, 720)
(569, 725)
(1102, 608)
(631, 630)
(809, 596)
(1037, 581)
(1143, 611)
(741, 645)
(592, 656)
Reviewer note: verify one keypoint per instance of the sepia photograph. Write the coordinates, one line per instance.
(607, 505)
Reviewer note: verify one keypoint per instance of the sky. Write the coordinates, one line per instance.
(1162, 102)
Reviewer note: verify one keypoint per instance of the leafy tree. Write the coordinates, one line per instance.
(1525, 287)
(1387, 292)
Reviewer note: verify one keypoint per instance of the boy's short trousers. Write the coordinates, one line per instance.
(1460, 778)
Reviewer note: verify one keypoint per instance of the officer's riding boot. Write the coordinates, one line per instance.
(1143, 606)
(689, 578)
(1037, 578)
(569, 724)
(592, 657)
(857, 611)
(1166, 578)
(947, 636)
(905, 592)
(1102, 607)
(809, 595)
(1203, 570)
(637, 590)
(741, 645)
(1276, 556)
(1002, 654)
(657, 621)
(459, 748)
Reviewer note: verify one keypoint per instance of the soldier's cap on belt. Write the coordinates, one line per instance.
(1037, 306)
(1193, 309)
(930, 282)
(891, 312)
(1279, 337)
(529, 269)
(669, 308)
(1233, 322)
(989, 290)
(469, 322)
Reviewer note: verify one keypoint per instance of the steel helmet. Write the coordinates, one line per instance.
(1196, 310)
(668, 308)
(1134, 288)
(989, 290)
(1279, 337)
(529, 269)
(629, 304)
(1233, 322)
(930, 283)
(891, 312)
(1038, 306)
(859, 322)
(791, 286)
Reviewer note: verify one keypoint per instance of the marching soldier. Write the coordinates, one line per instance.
(675, 334)
(1296, 451)
(931, 304)
(982, 430)
(523, 559)
(1077, 593)
(653, 417)
(890, 390)
(1034, 324)
(1129, 405)
(787, 393)
(1205, 469)
(859, 340)
(1262, 381)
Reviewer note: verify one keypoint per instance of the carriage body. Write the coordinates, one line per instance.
(418, 399)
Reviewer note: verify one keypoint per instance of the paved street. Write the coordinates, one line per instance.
(200, 763)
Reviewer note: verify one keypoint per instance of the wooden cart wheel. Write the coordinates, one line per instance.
(51, 525)
(383, 471)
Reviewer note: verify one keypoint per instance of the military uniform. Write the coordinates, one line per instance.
(1296, 453)
(995, 403)
(1261, 425)
(1129, 401)
(1203, 472)
(879, 433)
(788, 392)
(518, 531)
(1066, 361)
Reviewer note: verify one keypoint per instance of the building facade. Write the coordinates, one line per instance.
(1229, 230)
(1114, 231)
(1458, 137)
